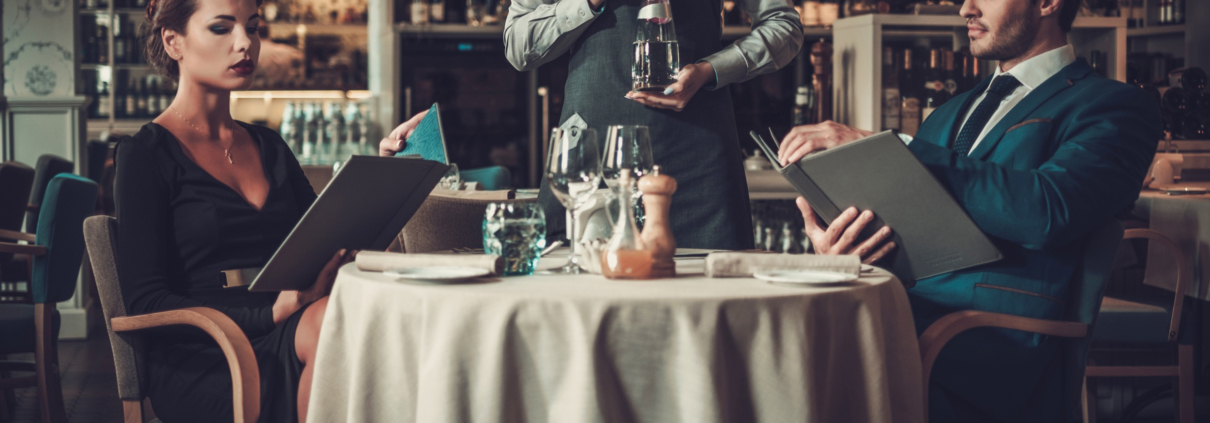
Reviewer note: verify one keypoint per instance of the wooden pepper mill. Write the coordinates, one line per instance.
(657, 191)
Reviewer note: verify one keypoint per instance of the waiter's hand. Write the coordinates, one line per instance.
(691, 78)
(394, 142)
(806, 139)
(841, 236)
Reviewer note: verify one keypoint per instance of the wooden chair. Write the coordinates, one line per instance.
(47, 168)
(1088, 286)
(16, 180)
(101, 235)
(57, 249)
(448, 222)
(1152, 323)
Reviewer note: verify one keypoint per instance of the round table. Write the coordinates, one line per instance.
(589, 349)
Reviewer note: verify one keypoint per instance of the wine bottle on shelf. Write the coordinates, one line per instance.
(310, 134)
(91, 4)
(130, 100)
(104, 106)
(934, 86)
(140, 99)
(336, 133)
(801, 114)
(437, 11)
(909, 114)
(657, 57)
(119, 43)
(353, 130)
(891, 101)
(951, 76)
(153, 99)
(821, 80)
(420, 12)
(287, 126)
(165, 95)
(976, 72)
(102, 45)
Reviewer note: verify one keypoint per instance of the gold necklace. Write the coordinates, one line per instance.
(225, 150)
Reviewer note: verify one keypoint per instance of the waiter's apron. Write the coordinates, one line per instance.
(698, 146)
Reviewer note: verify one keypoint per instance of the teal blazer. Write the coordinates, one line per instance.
(1071, 155)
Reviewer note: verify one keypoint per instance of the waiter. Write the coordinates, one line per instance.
(693, 132)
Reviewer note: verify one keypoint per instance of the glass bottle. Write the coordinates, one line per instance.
(890, 90)
(657, 56)
(625, 256)
(287, 126)
(309, 134)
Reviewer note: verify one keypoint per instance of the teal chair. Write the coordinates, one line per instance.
(1087, 289)
(57, 249)
(492, 178)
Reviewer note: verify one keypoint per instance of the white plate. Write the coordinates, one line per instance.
(804, 277)
(437, 274)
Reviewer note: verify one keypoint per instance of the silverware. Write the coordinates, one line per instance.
(551, 247)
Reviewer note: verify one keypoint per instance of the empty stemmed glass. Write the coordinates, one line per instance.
(573, 172)
(627, 147)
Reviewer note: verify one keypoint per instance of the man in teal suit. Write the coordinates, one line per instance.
(1038, 155)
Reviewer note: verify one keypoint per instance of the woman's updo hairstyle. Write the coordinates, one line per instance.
(165, 14)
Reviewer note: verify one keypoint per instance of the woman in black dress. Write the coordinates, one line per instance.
(198, 193)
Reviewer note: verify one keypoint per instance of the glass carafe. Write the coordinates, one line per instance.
(625, 256)
(657, 57)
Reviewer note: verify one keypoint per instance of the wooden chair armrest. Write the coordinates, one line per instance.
(1184, 271)
(17, 236)
(245, 374)
(33, 250)
(950, 325)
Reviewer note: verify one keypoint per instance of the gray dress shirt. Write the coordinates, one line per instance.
(538, 31)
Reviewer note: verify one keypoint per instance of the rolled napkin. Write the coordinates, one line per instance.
(377, 261)
(743, 265)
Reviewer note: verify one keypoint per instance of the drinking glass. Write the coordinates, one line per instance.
(475, 11)
(452, 179)
(517, 233)
(627, 147)
(573, 172)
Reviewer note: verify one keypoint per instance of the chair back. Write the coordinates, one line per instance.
(101, 234)
(69, 200)
(445, 223)
(16, 180)
(48, 167)
(491, 178)
(1087, 289)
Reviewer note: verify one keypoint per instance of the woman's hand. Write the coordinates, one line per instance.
(690, 79)
(289, 302)
(841, 236)
(394, 141)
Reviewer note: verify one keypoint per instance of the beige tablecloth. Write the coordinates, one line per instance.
(1186, 220)
(587, 349)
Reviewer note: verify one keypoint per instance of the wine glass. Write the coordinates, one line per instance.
(627, 147)
(573, 172)
(452, 179)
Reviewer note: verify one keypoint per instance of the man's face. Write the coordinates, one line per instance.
(1001, 29)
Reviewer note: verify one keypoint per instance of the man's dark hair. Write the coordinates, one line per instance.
(1067, 14)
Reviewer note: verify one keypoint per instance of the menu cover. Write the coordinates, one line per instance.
(352, 212)
(933, 234)
(427, 140)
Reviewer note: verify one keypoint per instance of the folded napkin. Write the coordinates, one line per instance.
(742, 265)
(377, 261)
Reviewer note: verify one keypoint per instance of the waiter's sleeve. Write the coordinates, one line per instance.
(775, 39)
(538, 31)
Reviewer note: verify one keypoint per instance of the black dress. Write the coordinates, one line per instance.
(179, 227)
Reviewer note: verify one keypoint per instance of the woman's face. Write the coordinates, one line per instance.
(220, 46)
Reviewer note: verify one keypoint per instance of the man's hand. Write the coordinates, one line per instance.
(690, 79)
(840, 237)
(394, 142)
(806, 139)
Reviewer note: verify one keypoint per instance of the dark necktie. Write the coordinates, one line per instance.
(1001, 86)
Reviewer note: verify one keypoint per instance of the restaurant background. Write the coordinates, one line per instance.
(341, 73)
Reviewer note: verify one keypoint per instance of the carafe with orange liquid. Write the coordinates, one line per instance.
(625, 256)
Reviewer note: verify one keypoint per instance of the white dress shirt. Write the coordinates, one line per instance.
(1032, 73)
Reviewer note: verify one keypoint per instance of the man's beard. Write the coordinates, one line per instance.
(1012, 41)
